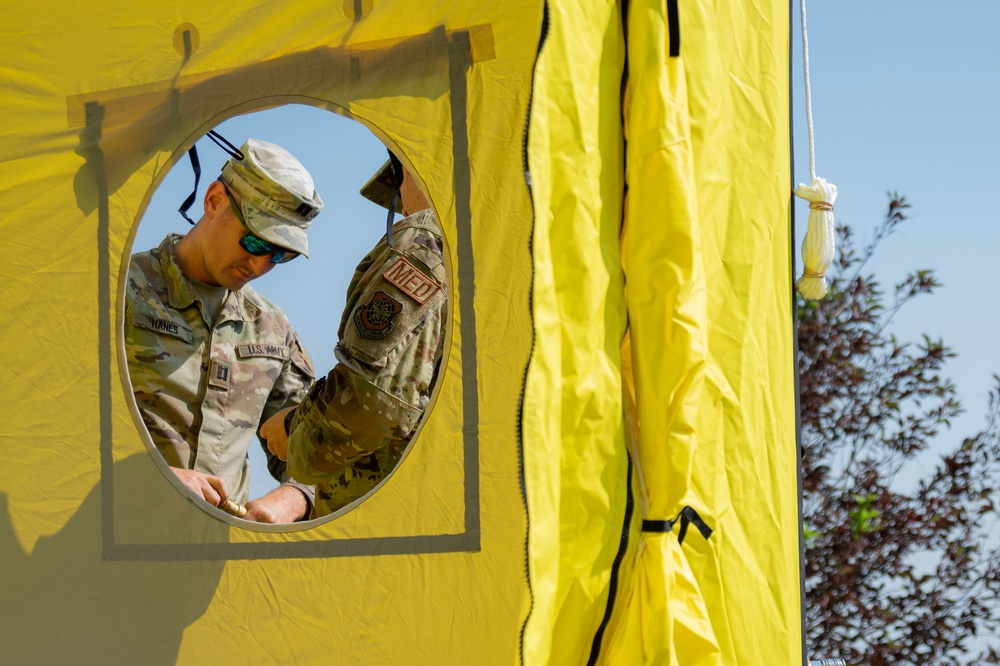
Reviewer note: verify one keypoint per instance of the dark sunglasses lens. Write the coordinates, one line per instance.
(258, 248)
(283, 256)
(255, 246)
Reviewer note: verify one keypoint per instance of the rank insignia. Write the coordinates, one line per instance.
(374, 320)
(219, 374)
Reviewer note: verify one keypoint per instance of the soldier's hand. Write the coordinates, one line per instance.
(273, 431)
(211, 488)
(284, 504)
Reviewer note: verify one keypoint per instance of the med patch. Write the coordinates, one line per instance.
(411, 280)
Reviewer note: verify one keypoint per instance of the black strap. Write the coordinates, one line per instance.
(221, 142)
(657, 525)
(390, 218)
(674, 24)
(196, 167)
(688, 516)
(396, 174)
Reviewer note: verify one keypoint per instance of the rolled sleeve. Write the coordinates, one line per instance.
(345, 418)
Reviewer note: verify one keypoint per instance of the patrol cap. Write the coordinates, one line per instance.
(277, 194)
(385, 183)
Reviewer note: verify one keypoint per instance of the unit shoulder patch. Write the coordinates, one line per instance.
(374, 319)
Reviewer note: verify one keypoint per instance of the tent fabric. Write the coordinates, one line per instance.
(572, 426)
(707, 367)
(745, 464)
(107, 562)
(666, 618)
(620, 348)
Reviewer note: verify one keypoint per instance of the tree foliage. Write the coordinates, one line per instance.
(902, 564)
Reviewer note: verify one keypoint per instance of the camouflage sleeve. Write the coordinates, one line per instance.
(344, 418)
(389, 347)
(289, 390)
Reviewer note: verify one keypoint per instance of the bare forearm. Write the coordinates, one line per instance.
(284, 504)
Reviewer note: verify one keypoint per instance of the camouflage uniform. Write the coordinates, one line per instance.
(203, 389)
(351, 431)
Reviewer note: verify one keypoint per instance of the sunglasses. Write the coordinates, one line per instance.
(254, 244)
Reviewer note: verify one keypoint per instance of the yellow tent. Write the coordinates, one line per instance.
(613, 181)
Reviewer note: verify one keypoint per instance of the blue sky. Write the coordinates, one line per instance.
(904, 98)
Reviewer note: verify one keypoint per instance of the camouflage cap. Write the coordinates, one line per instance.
(277, 194)
(380, 187)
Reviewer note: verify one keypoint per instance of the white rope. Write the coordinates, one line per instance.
(818, 245)
(809, 102)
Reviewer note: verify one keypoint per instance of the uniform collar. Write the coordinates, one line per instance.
(422, 219)
(242, 305)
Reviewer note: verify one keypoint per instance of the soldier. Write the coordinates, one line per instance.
(352, 429)
(209, 358)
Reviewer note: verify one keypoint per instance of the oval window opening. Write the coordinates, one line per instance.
(211, 359)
